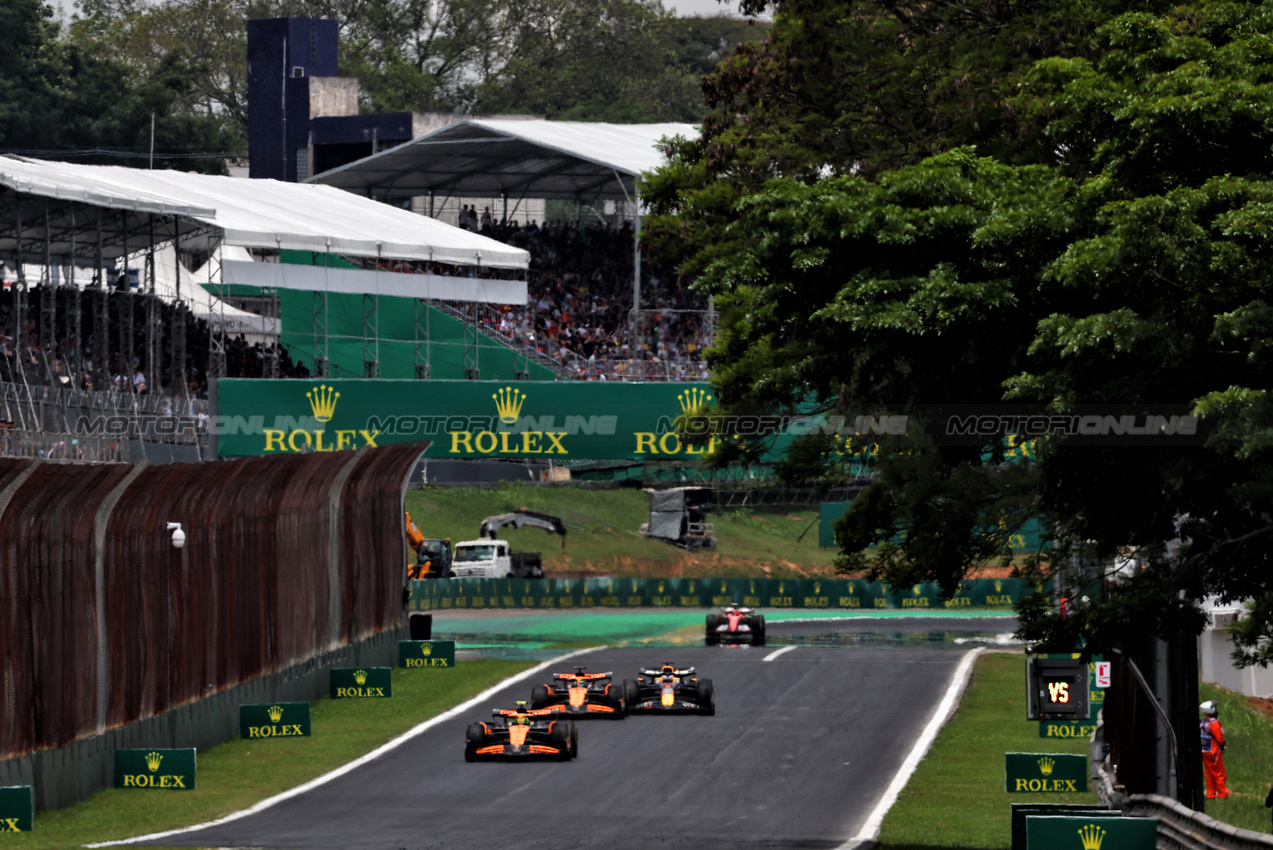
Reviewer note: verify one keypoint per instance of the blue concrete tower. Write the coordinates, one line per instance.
(283, 54)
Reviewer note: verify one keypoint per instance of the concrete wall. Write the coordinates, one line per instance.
(79, 770)
(333, 96)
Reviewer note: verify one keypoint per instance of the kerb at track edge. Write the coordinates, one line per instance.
(870, 830)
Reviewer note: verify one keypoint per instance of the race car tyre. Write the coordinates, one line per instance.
(713, 622)
(758, 630)
(470, 752)
(631, 693)
(618, 703)
(706, 696)
(539, 696)
(475, 734)
(561, 740)
(574, 740)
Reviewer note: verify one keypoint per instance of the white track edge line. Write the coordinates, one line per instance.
(871, 829)
(771, 656)
(358, 762)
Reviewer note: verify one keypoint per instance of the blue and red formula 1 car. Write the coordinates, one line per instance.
(669, 689)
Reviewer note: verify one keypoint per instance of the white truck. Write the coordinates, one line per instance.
(492, 558)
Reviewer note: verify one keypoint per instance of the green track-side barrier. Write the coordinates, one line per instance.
(828, 594)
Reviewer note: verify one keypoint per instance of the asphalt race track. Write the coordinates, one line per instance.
(799, 752)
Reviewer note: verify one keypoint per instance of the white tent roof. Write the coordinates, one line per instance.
(491, 158)
(250, 213)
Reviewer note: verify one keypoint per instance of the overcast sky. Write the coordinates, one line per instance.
(701, 7)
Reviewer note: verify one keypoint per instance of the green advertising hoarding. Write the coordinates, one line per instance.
(361, 683)
(274, 720)
(1090, 833)
(562, 421)
(413, 654)
(1045, 773)
(849, 595)
(1067, 728)
(17, 808)
(157, 768)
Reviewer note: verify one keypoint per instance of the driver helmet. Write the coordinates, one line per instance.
(521, 707)
(1209, 708)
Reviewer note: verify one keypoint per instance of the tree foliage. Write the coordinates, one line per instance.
(612, 60)
(59, 100)
(1106, 241)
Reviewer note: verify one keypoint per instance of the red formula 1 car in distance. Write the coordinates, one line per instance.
(736, 624)
(581, 694)
(669, 689)
(522, 733)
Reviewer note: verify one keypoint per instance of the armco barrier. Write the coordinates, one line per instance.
(827, 594)
(1181, 828)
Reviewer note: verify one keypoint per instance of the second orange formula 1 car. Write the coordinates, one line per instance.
(581, 694)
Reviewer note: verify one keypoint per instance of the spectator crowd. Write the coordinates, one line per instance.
(579, 317)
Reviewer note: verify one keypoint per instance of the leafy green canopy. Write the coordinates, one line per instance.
(61, 101)
(587, 60)
(1114, 249)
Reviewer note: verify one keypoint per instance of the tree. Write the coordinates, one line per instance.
(60, 101)
(612, 60)
(1129, 265)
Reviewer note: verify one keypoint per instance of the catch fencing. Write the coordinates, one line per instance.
(842, 594)
(104, 623)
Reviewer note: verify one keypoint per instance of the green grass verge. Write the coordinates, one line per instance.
(1248, 760)
(602, 536)
(956, 797)
(239, 773)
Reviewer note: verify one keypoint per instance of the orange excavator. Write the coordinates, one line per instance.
(433, 555)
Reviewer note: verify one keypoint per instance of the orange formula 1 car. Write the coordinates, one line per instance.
(581, 694)
(522, 733)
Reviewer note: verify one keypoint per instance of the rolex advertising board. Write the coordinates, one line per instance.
(774, 594)
(413, 654)
(1051, 773)
(155, 768)
(17, 808)
(274, 720)
(361, 682)
(559, 421)
(1090, 833)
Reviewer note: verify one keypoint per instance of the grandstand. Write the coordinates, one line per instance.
(127, 292)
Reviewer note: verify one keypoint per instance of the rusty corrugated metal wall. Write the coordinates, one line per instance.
(103, 622)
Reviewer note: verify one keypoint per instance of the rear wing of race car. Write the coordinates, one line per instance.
(680, 674)
(581, 677)
(529, 712)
